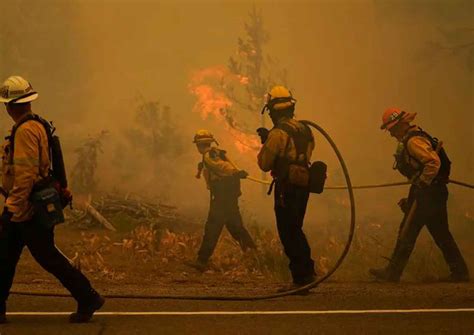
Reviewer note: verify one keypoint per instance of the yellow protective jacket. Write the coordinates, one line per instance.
(425, 157)
(29, 163)
(216, 166)
(280, 144)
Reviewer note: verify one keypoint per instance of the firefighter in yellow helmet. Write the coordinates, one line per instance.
(286, 152)
(424, 162)
(223, 182)
(26, 176)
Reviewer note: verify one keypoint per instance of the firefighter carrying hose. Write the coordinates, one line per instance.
(34, 202)
(223, 182)
(286, 152)
(424, 162)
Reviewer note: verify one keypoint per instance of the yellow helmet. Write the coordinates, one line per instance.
(204, 136)
(279, 98)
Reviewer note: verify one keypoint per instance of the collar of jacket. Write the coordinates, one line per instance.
(410, 130)
(283, 120)
(24, 116)
(209, 149)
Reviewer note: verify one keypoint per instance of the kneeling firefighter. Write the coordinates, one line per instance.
(286, 152)
(223, 182)
(422, 159)
(34, 180)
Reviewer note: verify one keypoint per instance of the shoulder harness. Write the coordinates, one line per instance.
(301, 137)
(405, 167)
(49, 128)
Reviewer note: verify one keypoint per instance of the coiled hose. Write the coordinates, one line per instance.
(256, 297)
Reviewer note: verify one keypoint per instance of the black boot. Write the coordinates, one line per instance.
(3, 313)
(384, 275)
(298, 283)
(199, 265)
(86, 309)
(304, 280)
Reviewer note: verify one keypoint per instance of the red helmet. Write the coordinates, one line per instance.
(392, 116)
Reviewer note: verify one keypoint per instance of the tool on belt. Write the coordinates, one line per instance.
(49, 195)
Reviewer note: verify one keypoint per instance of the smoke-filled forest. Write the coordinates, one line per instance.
(128, 83)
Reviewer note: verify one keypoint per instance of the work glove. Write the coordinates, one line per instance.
(263, 133)
(5, 218)
(404, 205)
(242, 174)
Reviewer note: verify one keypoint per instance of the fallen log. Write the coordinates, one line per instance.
(99, 218)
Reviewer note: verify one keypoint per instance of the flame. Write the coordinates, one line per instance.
(208, 85)
(210, 102)
(244, 142)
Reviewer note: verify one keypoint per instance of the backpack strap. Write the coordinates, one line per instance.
(420, 133)
(31, 117)
(214, 153)
(301, 138)
(445, 168)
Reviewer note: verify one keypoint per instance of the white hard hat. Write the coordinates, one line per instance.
(16, 90)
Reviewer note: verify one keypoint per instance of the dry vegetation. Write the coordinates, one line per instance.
(156, 249)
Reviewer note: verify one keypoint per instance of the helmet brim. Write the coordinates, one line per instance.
(204, 141)
(406, 117)
(29, 98)
(389, 125)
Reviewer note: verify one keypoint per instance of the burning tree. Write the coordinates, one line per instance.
(235, 93)
(255, 70)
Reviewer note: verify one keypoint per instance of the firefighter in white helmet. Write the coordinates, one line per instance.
(421, 159)
(286, 152)
(223, 182)
(26, 167)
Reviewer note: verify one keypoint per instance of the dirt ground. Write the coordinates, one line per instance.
(133, 263)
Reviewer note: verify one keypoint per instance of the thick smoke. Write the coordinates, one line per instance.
(346, 62)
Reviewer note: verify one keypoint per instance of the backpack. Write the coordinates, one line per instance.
(408, 171)
(300, 172)
(46, 196)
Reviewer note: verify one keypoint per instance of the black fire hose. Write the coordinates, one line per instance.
(256, 297)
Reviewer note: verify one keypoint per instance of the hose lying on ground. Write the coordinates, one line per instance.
(256, 297)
